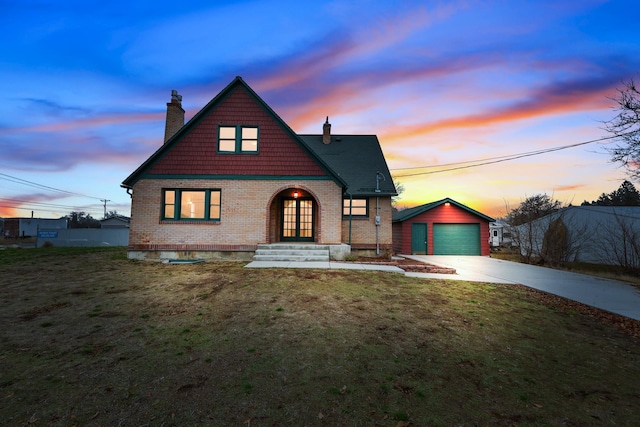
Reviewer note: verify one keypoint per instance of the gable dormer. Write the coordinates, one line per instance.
(236, 134)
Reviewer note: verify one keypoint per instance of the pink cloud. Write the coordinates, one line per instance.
(552, 100)
(89, 123)
(11, 206)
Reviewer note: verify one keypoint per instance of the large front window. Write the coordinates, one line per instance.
(238, 139)
(355, 207)
(179, 204)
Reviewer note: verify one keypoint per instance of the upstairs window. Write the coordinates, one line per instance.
(355, 207)
(238, 139)
(181, 205)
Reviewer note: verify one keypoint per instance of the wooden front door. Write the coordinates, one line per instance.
(297, 220)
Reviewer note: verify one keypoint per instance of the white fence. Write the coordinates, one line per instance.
(83, 237)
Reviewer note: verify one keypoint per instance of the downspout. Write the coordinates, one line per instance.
(350, 215)
(377, 225)
(377, 219)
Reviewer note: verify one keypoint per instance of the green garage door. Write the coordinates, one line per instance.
(456, 239)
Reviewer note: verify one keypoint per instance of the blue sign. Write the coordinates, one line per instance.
(47, 234)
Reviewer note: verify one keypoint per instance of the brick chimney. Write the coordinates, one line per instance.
(175, 116)
(326, 132)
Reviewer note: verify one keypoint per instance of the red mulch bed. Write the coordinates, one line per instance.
(409, 265)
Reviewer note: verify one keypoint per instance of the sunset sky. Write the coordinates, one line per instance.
(445, 85)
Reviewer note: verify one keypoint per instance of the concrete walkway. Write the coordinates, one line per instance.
(331, 265)
(610, 295)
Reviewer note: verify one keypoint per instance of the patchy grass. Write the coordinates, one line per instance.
(139, 343)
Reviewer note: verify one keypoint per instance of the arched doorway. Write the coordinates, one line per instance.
(293, 215)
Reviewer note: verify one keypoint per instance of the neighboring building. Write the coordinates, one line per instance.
(236, 176)
(445, 227)
(75, 237)
(496, 234)
(500, 234)
(28, 227)
(592, 234)
(118, 221)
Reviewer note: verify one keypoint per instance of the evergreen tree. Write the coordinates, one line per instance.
(625, 195)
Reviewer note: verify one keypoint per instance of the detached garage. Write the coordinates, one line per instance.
(445, 227)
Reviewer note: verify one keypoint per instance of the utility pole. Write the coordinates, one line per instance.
(105, 206)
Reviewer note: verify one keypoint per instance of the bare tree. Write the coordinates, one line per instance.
(565, 236)
(621, 242)
(524, 228)
(395, 199)
(625, 126)
(82, 220)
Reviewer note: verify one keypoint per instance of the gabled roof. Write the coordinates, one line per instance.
(119, 218)
(593, 214)
(411, 212)
(238, 82)
(357, 159)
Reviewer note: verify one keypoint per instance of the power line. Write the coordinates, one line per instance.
(498, 159)
(43, 187)
(19, 202)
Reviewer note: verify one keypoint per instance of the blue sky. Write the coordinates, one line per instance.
(84, 87)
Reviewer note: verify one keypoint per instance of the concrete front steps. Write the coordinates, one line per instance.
(292, 252)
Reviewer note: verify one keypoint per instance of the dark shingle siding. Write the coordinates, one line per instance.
(356, 159)
(196, 153)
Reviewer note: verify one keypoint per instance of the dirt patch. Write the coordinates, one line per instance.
(406, 264)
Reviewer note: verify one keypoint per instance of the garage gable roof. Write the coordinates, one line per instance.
(406, 214)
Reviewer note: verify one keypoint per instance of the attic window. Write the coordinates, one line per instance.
(238, 139)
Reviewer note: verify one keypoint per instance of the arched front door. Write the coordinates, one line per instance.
(297, 219)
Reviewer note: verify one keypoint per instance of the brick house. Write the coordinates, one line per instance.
(444, 227)
(236, 176)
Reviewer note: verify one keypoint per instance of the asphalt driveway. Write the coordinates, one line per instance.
(610, 295)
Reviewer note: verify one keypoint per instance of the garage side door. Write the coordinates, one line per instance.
(456, 239)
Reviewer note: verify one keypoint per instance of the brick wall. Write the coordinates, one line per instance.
(363, 230)
(175, 119)
(246, 215)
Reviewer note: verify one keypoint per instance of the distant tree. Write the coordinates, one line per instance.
(625, 126)
(81, 220)
(523, 227)
(532, 208)
(625, 195)
(394, 200)
(112, 214)
(603, 200)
